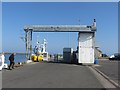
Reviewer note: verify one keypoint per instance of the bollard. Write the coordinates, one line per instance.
(96, 61)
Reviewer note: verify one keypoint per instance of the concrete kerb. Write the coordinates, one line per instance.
(20, 64)
(29, 61)
(23, 63)
(105, 76)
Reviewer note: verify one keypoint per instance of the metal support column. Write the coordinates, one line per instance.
(79, 48)
(26, 40)
(28, 43)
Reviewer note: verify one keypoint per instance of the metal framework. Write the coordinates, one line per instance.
(52, 28)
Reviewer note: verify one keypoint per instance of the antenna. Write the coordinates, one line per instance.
(79, 21)
(22, 35)
(38, 43)
(37, 38)
(22, 38)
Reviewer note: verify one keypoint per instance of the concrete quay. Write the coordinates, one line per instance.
(53, 75)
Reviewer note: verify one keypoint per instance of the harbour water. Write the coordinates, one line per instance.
(18, 58)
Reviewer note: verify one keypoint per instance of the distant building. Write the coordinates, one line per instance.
(104, 55)
(98, 53)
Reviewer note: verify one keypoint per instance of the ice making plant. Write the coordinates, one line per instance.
(86, 39)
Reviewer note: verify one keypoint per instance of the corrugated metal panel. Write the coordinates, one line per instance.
(86, 40)
(86, 55)
(86, 48)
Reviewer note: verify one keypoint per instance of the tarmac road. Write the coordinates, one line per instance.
(110, 68)
(50, 75)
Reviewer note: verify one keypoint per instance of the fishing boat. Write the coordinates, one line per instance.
(39, 52)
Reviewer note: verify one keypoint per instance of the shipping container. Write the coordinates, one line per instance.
(67, 55)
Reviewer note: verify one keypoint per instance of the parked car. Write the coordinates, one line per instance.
(115, 56)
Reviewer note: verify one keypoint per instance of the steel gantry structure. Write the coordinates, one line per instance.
(81, 29)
